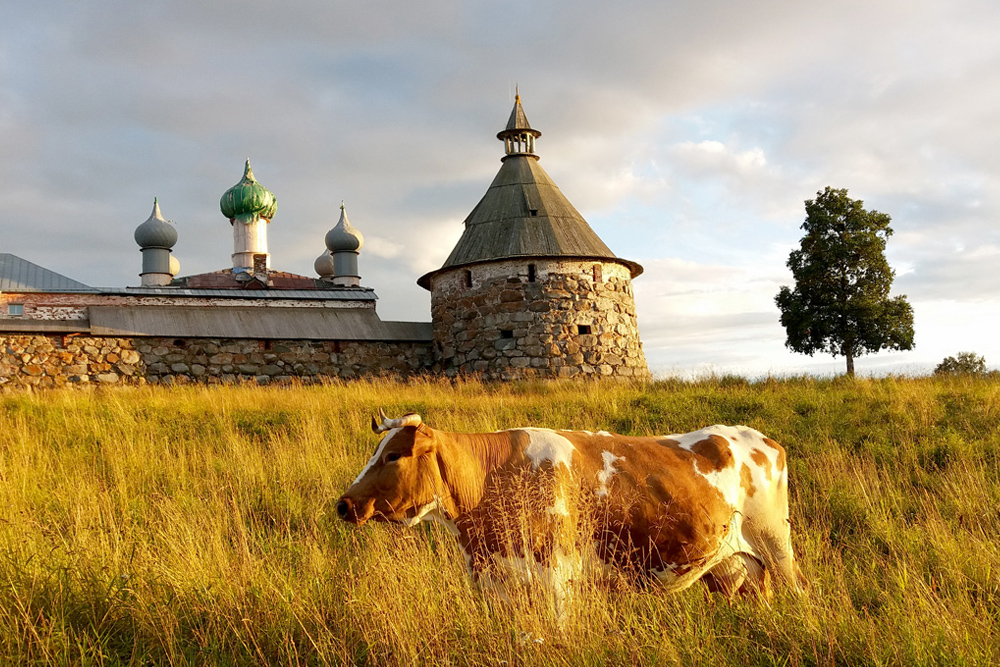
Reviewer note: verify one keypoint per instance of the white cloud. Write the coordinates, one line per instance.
(688, 134)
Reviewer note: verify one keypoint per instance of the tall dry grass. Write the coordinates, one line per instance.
(192, 526)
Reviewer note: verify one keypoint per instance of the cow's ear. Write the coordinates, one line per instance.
(423, 441)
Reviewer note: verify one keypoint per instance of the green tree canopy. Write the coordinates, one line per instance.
(966, 363)
(840, 304)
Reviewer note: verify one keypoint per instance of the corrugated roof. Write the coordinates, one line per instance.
(266, 323)
(524, 214)
(20, 275)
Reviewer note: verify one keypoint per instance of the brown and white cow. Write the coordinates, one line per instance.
(708, 505)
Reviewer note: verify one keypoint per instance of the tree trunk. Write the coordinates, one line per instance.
(850, 363)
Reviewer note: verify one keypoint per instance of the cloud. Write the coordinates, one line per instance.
(687, 133)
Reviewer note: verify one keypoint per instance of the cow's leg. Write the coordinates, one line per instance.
(740, 574)
(726, 577)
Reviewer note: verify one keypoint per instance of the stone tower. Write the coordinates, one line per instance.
(530, 291)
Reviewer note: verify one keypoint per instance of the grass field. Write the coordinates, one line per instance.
(192, 525)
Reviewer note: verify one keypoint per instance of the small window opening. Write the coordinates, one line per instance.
(533, 212)
(598, 274)
(180, 342)
(467, 279)
(531, 273)
(583, 329)
(15, 309)
(506, 333)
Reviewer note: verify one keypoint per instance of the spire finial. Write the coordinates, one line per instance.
(342, 207)
(517, 95)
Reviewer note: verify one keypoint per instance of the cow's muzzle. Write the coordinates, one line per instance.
(346, 510)
(352, 511)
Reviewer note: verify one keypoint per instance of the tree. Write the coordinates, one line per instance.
(840, 304)
(966, 363)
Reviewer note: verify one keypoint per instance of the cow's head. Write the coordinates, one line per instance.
(402, 481)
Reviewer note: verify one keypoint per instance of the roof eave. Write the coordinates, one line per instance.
(634, 267)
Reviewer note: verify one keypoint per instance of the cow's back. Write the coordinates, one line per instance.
(673, 506)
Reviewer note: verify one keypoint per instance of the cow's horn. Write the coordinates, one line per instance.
(387, 424)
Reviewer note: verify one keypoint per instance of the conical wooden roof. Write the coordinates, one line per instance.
(524, 214)
(518, 121)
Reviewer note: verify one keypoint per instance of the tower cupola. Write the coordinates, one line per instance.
(249, 206)
(156, 237)
(518, 137)
(343, 244)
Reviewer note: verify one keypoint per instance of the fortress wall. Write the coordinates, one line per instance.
(57, 360)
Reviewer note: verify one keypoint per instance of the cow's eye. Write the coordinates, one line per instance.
(392, 456)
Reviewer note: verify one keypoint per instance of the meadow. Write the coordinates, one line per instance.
(196, 526)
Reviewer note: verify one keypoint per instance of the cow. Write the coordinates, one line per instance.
(711, 505)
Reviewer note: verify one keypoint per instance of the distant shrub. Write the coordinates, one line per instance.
(965, 363)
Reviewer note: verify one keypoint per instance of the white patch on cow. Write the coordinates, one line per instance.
(609, 471)
(603, 434)
(556, 576)
(727, 481)
(559, 507)
(546, 445)
(377, 456)
(432, 511)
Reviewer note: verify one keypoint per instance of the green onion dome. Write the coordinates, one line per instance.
(248, 200)
(156, 232)
(344, 237)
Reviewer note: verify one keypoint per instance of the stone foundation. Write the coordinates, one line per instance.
(57, 360)
(537, 319)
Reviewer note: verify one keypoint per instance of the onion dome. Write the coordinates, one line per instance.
(175, 266)
(343, 237)
(324, 265)
(156, 232)
(248, 200)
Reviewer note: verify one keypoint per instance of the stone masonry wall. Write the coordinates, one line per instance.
(537, 319)
(56, 360)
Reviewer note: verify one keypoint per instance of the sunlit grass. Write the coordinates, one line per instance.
(196, 526)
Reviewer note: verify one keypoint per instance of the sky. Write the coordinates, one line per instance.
(687, 133)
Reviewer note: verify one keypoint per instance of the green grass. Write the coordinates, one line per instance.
(194, 526)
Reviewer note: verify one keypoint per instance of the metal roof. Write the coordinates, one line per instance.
(29, 326)
(20, 275)
(524, 214)
(267, 323)
(341, 294)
